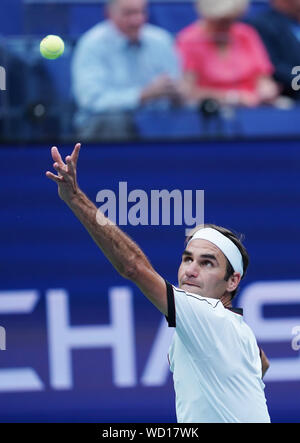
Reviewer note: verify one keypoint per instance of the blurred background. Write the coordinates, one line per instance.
(82, 344)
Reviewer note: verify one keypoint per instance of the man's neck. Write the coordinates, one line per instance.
(226, 300)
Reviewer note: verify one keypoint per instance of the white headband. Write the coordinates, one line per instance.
(229, 249)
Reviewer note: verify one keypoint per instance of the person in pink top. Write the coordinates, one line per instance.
(225, 59)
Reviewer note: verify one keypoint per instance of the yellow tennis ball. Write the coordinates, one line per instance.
(52, 47)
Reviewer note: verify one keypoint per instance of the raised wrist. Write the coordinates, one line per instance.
(75, 198)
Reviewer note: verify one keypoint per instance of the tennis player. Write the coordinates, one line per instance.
(216, 363)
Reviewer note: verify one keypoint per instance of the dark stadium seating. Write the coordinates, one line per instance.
(44, 106)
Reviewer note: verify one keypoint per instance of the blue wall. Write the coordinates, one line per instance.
(251, 187)
(74, 18)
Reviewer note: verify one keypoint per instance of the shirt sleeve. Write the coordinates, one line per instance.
(171, 317)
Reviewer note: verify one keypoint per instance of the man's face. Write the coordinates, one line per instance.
(128, 16)
(202, 270)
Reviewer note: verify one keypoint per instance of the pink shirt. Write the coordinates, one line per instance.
(244, 62)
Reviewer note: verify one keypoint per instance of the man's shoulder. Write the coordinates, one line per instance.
(155, 33)
(210, 302)
(99, 32)
(105, 33)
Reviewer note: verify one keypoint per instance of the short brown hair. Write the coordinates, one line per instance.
(236, 239)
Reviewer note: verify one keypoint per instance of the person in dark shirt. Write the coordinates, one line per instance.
(279, 28)
(26, 94)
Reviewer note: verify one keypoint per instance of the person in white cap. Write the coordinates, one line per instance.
(216, 363)
(225, 59)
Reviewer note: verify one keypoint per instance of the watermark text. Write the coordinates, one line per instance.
(2, 79)
(158, 207)
(296, 338)
(296, 79)
(2, 339)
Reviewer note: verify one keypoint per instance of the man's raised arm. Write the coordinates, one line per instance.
(123, 253)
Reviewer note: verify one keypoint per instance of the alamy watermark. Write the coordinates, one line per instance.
(2, 79)
(158, 207)
(2, 339)
(296, 80)
(296, 338)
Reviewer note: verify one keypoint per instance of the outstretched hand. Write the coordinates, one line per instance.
(66, 177)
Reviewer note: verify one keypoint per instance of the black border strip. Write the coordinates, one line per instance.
(171, 317)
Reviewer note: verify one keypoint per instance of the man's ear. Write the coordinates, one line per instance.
(233, 281)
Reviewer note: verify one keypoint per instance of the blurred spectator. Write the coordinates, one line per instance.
(225, 59)
(27, 95)
(119, 65)
(279, 27)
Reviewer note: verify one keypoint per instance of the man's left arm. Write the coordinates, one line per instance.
(265, 364)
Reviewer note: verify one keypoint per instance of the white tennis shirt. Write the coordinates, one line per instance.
(215, 362)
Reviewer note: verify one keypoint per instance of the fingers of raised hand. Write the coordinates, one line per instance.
(54, 177)
(66, 172)
(56, 155)
(70, 165)
(62, 170)
(75, 154)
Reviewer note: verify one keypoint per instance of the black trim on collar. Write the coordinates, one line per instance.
(236, 310)
(171, 317)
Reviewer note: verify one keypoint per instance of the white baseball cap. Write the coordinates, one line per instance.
(215, 9)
